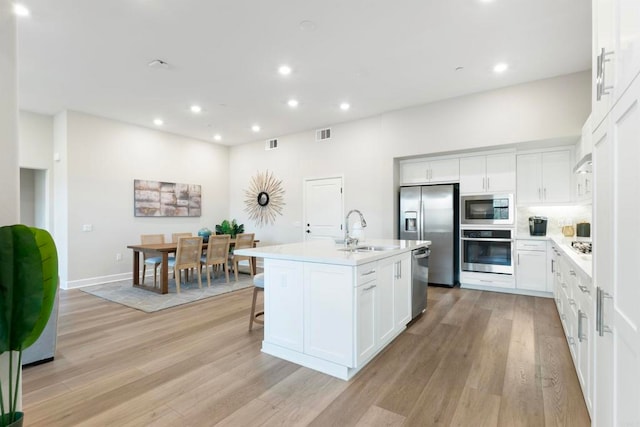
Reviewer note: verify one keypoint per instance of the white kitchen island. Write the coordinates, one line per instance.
(333, 310)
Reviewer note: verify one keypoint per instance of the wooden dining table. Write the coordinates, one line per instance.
(164, 249)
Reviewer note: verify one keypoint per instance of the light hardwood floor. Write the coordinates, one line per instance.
(474, 359)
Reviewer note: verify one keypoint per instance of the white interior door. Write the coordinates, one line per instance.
(323, 208)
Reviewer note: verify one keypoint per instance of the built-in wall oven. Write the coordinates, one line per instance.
(487, 209)
(487, 250)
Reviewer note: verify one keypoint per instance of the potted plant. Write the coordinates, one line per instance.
(28, 284)
(231, 228)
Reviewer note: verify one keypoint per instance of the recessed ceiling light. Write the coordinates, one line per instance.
(20, 10)
(196, 109)
(158, 122)
(345, 106)
(285, 70)
(501, 67)
(217, 137)
(255, 128)
(293, 103)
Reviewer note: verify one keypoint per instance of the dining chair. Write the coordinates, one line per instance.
(152, 259)
(258, 286)
(243, 241)
(217, 253)
(175, 237)
(188, 255)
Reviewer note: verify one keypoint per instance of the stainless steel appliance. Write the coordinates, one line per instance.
(431, 213)
(494, 209)
(487, 250)
(538, 225)
(419, 280)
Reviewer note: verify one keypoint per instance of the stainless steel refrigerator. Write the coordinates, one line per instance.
(430, 212)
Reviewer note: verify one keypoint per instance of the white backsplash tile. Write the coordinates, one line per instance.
(558, 216)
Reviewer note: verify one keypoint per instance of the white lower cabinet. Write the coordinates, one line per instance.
(383, 305)
(531, 263)
(328, 307)
(335, 318)
(365, 321)
(573, 293)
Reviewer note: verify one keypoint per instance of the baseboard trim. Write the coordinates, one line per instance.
(74, 284)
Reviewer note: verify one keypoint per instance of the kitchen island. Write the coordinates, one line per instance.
(333, 309)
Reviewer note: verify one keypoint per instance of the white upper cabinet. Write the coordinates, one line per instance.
(616, 56)
(495, 173)
(429, 171)
(544, 177)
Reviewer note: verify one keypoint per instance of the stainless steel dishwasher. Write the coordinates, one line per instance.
(419, 280)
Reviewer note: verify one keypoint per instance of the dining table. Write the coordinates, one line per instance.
(164, 249)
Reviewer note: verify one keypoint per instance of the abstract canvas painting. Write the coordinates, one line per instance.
(156, 198)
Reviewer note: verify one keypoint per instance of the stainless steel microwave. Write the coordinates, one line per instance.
(483, 209)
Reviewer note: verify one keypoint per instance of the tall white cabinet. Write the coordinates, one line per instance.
(616, 114)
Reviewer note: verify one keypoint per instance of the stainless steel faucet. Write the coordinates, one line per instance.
(348, 240)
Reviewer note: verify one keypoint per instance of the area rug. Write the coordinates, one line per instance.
(124, 293)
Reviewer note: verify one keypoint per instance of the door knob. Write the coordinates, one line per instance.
(308, 231)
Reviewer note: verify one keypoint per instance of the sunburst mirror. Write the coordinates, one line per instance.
(264, 199)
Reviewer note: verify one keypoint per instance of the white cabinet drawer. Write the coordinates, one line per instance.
(531, 245)
(366, 273)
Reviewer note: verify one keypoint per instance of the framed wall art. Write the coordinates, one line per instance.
(158, 198)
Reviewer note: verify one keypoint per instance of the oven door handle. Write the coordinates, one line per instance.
(486, 240)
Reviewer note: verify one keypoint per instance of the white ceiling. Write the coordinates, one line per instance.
(378, 55)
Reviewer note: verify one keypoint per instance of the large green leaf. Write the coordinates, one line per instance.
(49, 256)
(21, 290)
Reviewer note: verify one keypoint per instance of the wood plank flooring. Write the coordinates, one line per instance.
(474, 359)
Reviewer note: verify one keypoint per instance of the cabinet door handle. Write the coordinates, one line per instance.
(539, 194)
(602, 328)
(552, 266)
(572, 272)
(368, 273)
(483, 182)
(368, 288)
(601, 87)
(584, 289)
(518, 259)
(545, 194)
(488, 183)
(581, 335)
(572, 301)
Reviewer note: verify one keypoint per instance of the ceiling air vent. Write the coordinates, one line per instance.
(323, 134)
(271, 144)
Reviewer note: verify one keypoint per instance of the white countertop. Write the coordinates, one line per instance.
(328, 252)
(582, 261)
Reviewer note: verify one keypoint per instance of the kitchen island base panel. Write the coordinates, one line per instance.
(326, 367)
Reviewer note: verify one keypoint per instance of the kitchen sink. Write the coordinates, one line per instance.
(369, 248)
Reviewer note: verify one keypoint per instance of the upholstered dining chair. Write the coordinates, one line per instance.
(217, 254)
(151, 259)
(243, 241)
(258, 286)
(188, 255)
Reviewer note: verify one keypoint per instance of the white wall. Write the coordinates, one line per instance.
(36, 153)
(9, 175)
(363, 151)
(9, 172)
(100, 159)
